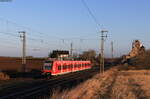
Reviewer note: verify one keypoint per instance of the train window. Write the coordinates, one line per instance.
(65, 67)
(59, 67)
(79, 65)
(71, 66)
(47, 67)
(76, 65)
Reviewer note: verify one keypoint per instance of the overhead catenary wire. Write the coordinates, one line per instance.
(13, 45)
(91, 14)
(40, 36)
(10, 34)
(32, 32)
(29, 33)
(16, 24)
(15, 35)
(36, 39)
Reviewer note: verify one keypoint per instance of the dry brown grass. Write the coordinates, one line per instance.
(94, 88)
(132, 84)
(113, 84)
(4, 76)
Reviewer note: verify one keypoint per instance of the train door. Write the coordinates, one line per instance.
(58, 68)
(71, 66)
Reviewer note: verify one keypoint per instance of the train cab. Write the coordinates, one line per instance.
(47, 67)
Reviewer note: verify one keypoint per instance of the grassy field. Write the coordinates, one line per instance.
(14, 64)
(10, 67)
(113, 84)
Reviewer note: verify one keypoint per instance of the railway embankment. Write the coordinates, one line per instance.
(116, 83)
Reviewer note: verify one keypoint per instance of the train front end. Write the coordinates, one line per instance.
(47, 68)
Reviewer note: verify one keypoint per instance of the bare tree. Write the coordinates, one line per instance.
(89, 55)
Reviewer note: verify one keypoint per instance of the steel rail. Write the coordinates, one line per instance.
(51, 82)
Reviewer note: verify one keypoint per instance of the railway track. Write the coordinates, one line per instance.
(44, 85)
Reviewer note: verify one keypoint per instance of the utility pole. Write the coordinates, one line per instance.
(102, 51)
(23, 38)
(71, 50)
(112, 50)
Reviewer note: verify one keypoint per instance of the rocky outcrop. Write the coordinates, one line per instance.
(137, 49)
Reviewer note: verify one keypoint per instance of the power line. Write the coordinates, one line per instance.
(47, 42)
(16, 24)
(41, 34)
(26, 28)
(7, 45)
(10, 34)
(32, 33)
(34, 39)
(14, 35)
(91, 14)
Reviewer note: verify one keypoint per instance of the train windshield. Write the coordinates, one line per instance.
(48, 65)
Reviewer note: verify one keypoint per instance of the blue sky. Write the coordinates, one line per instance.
(54, 20)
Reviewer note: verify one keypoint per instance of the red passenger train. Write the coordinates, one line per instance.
(58, 67)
